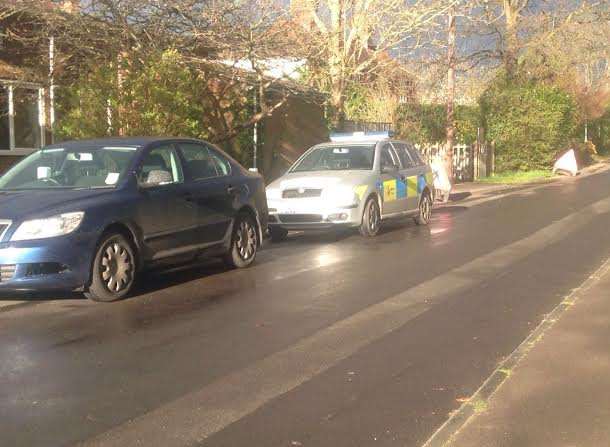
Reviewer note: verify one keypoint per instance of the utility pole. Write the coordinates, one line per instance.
(52, 87)
(450, 129)
(255, 134)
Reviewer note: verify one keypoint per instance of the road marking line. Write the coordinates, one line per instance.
(467, 411)
(198, 415)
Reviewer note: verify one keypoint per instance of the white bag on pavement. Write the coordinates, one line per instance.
(567, 163)
(442, 183)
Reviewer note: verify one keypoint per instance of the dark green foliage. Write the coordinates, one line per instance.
(160, 96)
(529, 123)
(426, 123)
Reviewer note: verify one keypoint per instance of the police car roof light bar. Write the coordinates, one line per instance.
(340, 137)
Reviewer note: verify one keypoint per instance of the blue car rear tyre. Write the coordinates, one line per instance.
(244, 242)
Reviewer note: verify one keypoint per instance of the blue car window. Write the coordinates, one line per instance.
(222, 164)
(86, 167)
(161, 166)
(200, 162)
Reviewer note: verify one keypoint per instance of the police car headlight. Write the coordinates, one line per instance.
(340, 196)
(48, 227)
(274, 194)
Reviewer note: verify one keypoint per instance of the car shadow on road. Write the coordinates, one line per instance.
(162, 278)
(301, 238)
(459, 196)
(12, 300)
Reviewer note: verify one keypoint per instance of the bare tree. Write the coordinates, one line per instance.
(451, 43)
(353, 40)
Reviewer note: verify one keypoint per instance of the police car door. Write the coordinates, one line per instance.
(425, 177)
(393, 186)
(410, 172)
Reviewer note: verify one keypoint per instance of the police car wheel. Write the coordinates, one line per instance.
(425, 210)
(371, 218)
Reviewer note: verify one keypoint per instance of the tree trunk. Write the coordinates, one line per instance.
(336, 72)
(337, 102)
(512, 44)
(451, 37)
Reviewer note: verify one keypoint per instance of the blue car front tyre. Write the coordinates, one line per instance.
(113, 271)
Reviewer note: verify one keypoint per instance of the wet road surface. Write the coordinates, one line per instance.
(328, 340)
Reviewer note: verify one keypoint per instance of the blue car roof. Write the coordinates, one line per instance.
(112, 141)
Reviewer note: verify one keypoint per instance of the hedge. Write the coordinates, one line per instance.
(529, 123)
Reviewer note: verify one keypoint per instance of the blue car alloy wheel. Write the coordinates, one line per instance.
(114, 269)
(244, 243)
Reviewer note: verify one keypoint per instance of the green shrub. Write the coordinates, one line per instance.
(426, 123)
(159, 96)
(529, 123)
(82, 108)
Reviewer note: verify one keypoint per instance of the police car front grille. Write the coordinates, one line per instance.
(301, 193)
(7, 271)
(301, 218)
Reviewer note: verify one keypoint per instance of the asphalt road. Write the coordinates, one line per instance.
(327, 341)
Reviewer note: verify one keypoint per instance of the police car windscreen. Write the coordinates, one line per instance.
(337, 158)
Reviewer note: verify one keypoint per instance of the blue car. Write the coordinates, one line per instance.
(90, 215)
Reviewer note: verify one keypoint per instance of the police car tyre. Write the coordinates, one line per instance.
(114, 270)
(244, 242)
(278, 234)
(425, 210)
(371, 218)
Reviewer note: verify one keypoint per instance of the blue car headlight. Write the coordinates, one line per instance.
(48, 227)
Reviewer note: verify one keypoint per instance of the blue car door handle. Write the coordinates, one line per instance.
(188, 196)
(233, 190)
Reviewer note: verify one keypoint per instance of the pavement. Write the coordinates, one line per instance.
(475, 190)
(557, 395)
(328, 340)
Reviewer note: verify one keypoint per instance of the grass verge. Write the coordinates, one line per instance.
(514, 177)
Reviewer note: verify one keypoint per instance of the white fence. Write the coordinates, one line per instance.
(464, 157)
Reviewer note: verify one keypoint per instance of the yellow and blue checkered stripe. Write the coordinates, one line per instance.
(396, 189)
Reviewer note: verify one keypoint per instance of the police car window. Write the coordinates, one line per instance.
(416, 156)
(387, 157)
(405, 158)
(337, 158)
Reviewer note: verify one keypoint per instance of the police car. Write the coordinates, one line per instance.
(355, 180)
